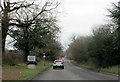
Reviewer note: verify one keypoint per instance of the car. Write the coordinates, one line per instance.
(58, 63)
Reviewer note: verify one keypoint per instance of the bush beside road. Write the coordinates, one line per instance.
(112, 70)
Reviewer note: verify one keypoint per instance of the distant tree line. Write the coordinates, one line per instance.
(102, 48)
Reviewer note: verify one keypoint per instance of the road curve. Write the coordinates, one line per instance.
(72, 72)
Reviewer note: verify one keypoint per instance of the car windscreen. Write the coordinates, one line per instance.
(58, 61)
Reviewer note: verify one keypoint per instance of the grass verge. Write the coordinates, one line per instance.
(112, 70)
(25, 73)
(8, 66)
(29, 73)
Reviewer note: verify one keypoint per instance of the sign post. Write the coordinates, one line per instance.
(44, 58)
(31, 58)
(31, 62)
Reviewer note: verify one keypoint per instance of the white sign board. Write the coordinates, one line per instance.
(44, 56)
(31, 58)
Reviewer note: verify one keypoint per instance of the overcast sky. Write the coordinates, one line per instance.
(78, 17)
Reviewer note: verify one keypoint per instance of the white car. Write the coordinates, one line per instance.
(58, 63)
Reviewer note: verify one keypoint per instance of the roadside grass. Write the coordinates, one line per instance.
(113, 69)
(8, 66)
(29, 73)
(23, 64)
(25, 73)
(84, 65)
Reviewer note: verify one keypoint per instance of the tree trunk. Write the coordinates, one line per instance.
(26, 50)
(5, 26)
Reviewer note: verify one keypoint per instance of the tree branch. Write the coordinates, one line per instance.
(21, 6)
(30, 21)
(15, 2)
(44, 9)
(4, 4)
(18, 25)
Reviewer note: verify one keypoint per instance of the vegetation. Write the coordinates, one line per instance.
(28, 74)
(33, 27)
(101, 49)
(23, 73)
(9, 66)
(112, 69)
(34, 30)
(41, 38)
(13, 57)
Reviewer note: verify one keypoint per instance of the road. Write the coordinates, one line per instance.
(72, 72)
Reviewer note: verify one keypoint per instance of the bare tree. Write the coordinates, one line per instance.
(10, 9)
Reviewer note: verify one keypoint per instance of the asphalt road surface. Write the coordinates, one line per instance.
(72, 72)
